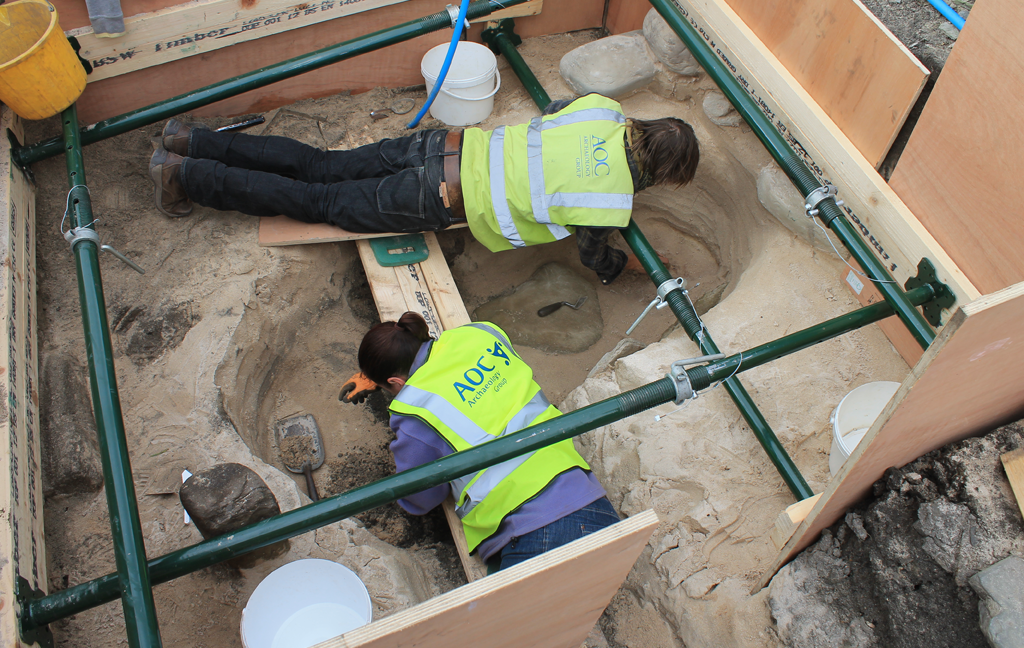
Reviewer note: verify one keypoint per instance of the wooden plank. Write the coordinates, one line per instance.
(412, 287)
(626, 15)
(193, 28)
(445, 294)
(550, 601)
(894, 329)
(961, 170)
(281, 230)
(22, 553)
(1013, 463)
(970, 380)
(887, 226)
(789, 519)
(861, 75)
(394, 66)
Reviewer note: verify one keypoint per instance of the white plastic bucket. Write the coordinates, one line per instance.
(467, 94)
(303, 603)
(854, 416)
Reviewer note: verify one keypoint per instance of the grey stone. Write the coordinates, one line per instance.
(782, 200)
(227, 497)
(719, 110)
(945, 526)
(1000, 591)
(70, 447)
(613, 66)
(949, 30)
(667, 46)
(801, 598)
(564, 331)
(625, 347)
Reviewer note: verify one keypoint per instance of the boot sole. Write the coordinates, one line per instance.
(156, 168)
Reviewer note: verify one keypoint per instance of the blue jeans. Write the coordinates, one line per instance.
(592, 517)
(387, 186)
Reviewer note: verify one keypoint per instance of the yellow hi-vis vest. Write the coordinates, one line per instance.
(472, 389)
(528, 184)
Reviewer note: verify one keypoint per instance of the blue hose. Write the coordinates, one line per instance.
(947, 11)
(456, 34)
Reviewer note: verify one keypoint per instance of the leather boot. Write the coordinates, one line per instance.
(176, 134)
(165, 170)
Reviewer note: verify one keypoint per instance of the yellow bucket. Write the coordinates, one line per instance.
(40, 75)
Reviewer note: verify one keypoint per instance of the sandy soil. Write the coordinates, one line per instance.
(221, 339)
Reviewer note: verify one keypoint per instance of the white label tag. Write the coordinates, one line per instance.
(854, 282)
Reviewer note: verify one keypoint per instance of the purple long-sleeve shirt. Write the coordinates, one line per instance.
(417, 443)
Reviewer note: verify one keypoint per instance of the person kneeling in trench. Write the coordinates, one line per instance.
(466, 388)
(575, 168)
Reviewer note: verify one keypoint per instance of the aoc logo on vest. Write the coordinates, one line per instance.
(480, 378)
(593, 158)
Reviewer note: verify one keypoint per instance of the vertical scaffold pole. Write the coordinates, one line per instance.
(129, 550)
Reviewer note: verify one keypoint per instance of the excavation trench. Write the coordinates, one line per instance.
(222, 338)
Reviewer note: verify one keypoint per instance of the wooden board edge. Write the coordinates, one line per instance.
(193, 28)
(644, 522)
(271, 228)
(1013, 464)
(885, 223)
(789, 519)
(800, 538)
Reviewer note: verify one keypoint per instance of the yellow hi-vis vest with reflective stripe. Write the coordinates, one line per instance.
(472, 389)
(528, 184)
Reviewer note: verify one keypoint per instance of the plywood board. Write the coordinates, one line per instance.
(550, 601)
(193, 28)
(861, 75)
(864, 79)
(962, 169)
(394, 66)
(22, 553)
(426, 288)
(884, 222)
(281, 230)
(970, 380)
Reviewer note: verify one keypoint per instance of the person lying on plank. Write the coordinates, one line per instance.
(575, 168)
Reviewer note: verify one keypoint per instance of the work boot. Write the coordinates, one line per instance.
(176, 134)
(165, 170)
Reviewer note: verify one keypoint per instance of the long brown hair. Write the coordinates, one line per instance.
(666, 149)
(389, 348)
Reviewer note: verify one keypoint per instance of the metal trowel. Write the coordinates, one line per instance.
(301, 448)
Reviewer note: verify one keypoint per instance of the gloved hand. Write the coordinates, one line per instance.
(357, 388)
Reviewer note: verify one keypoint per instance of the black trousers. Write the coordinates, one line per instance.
(387, 186)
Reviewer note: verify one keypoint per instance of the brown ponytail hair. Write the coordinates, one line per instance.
(389, 348)
(666, 149)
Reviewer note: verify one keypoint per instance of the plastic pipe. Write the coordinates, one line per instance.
(443, 74)
(505, 39)
(948, 13)
(132, 579)
(802, 177)
(26, 155)
(50, 608)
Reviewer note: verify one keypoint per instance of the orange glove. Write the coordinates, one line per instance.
(357, 388)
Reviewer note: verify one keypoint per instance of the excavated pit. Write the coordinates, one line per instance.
(222, 338)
